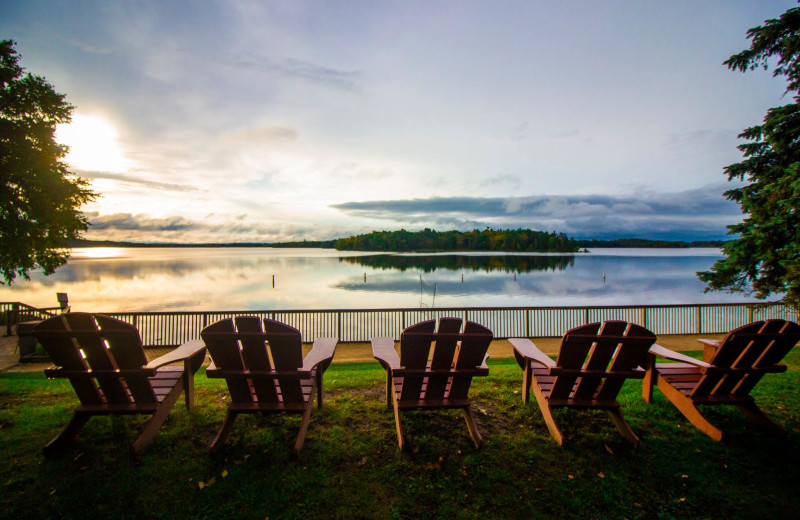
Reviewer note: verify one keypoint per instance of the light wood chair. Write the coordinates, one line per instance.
(434, 369)
(593, 362)
(730, 370)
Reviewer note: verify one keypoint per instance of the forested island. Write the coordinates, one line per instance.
(506, 240)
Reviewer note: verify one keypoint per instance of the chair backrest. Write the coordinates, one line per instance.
(602, 355)
(454, 354)
(112, 349)
(749, 350)
(273, 353)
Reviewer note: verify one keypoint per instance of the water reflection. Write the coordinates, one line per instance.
(488, 263)
(170, 279)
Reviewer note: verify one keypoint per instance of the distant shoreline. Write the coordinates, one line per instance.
(329, 244)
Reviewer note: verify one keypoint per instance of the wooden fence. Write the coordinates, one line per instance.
(161, 329)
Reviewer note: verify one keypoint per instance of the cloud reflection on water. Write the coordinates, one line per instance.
(173, 279)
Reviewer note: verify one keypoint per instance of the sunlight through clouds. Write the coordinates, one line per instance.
(93, 145)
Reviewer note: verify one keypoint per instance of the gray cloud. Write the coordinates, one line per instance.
(134, 180)
(129, 222)
(697, 214)
(300, 69)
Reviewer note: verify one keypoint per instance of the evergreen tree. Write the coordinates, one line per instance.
(39, 201)
(764, 257)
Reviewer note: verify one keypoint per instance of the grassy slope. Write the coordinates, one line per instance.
(350, 467)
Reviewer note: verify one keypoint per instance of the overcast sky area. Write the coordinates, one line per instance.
(260, 121)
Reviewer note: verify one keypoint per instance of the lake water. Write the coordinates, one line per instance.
(175, 279)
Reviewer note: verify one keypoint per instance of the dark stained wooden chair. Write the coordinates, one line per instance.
(265, 370)
(104, 361)
(593, 362)
(434, 369)
(730, 370)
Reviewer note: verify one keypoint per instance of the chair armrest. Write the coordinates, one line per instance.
(321, 352)
(182, 353)
(709, 342)
(383, 350)
(527, 349)
(675, 356)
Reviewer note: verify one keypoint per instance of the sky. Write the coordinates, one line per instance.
(262, 121)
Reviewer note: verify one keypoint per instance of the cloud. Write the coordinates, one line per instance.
(134, 180)
(213, 228)
(697, 214)
(297, 68)
(129, 222)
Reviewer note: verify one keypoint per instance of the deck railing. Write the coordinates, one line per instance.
(163, 329)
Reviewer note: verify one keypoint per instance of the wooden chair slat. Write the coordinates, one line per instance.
(126, 347)
(415, 346)
(98, 357)
(572, 354)
(255, 356)
(226, 355)
(286, 348)
(471, 353)
(444, 351)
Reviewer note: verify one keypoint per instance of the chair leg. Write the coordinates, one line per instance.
(398, 426)
(472, 426)
(224, 431)
(759, 417)
(70, 432)
(301, 435)
(188, 385)
(318, 377)
(389, 389)
(527, 375)
(649, 376)
(158, 418)
(688, 409)
(623, 427)
(547, 413)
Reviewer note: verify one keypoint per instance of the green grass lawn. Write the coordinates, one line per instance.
(350, 466)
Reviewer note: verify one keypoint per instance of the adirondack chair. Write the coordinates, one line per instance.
(262, 380)
(415, 382)
(104, 361)
(730, 370)
(593, 362)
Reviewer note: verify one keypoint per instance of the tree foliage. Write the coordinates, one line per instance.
(509, 240)
(39, 201)
(764, 257)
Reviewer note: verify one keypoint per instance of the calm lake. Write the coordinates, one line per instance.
(175, 279)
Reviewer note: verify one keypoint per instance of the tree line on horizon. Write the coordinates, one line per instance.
(508, 240)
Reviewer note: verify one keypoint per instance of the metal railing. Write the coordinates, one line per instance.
(15, 313)
(164, 329)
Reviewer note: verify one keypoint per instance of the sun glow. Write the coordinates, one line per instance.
(93, 146)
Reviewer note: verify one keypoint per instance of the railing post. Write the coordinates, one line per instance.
(644, 317)
(699, 320)
(339, 325)
(527, 323)
(750, 311)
